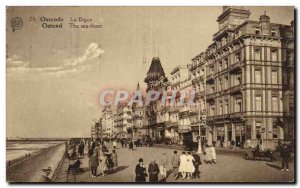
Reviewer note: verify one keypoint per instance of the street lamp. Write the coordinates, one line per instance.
(262, 138)
(199, 140)
(204, 106)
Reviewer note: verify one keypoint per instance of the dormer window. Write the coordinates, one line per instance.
(257, 31)
(273, 32)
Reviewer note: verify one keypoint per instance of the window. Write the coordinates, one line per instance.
(275, 103)
(220, 108)
(274, 77)
(273, 33)
(289, 56)
(211, 69)
(237, 79)
(220, 84)
(238, 57)
(238, 105)
(212, 89)
(212, 110)
(258, 103)
(257, 73)
(274, 55)
(257, 31)
(274, 129)
(226, 63)
(226, 83)
(257, 54)
(226, 107)
(220, 65)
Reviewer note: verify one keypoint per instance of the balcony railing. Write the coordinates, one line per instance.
(235, 66)
(236, 89)
(210, 78)
(198, 79)
(236, 115)
(210, 96)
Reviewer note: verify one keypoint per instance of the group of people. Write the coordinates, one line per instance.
(210, 154)
(100, 158)
(125, 142)
(185, 165)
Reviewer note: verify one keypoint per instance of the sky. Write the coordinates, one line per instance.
(54, 76)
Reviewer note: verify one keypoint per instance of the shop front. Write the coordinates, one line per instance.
(240, 136)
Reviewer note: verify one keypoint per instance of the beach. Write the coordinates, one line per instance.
(29, 169)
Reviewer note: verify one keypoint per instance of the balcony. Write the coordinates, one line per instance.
(235, 67)
(236, 89)
(218, 117)
(210, 118)
(210, 97)
(210, 78)
(198, 79)
(236, 115)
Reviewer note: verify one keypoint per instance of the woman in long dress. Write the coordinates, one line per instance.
(190, 168)
(114, 158)
(182, 165)
(213, 154)
(208, 156)
(102, 165)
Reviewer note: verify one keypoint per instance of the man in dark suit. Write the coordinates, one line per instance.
(153, 171)
(285, 154)
(140, 171)
(197, 162)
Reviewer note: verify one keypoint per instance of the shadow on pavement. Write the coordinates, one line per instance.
(120, 168)
(274, 166)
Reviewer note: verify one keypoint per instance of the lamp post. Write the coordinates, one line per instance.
(199, 140)
(262, 138)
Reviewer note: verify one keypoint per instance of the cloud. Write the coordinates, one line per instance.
(92, 52)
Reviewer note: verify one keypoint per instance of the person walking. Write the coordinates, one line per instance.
(125, 143)
(122, 143)
(190, 169)
(285, 156)
(140, 171)
(131, 145)
(213, 154)
(163, 166)
(153, 171)
(102, 165)
(94, 163)
(90, 152)
(114, 144)
(207, 153)
(182, 165)
(114, 158)
(175, 164)
(197, 163)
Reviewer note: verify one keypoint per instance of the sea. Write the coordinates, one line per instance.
(16, 149)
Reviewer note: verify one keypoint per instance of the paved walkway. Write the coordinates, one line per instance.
(228, 169)
(30, 170)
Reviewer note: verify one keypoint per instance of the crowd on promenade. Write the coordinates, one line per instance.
(185, 165)
(100, 158)
(102, 161)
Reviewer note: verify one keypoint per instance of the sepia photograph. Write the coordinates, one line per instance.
(150, 94)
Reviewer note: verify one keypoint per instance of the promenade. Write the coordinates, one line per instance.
(229, 168)
(29, 170)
